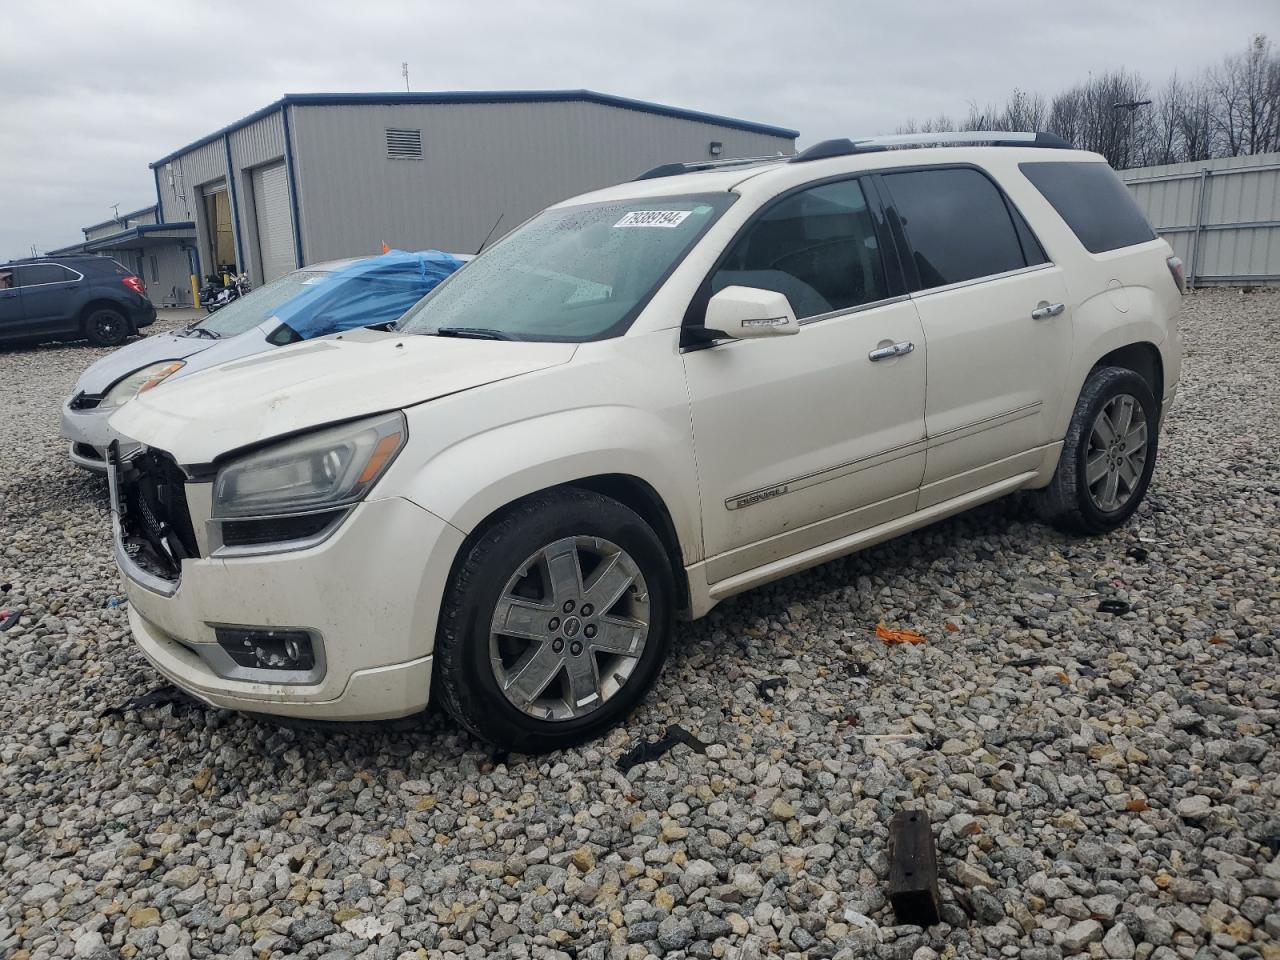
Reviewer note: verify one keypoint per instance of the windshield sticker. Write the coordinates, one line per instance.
(653, 218)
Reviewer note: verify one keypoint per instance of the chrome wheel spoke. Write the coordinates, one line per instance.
(1104, 430)
(533, 674)
(584, 684)
(563, 569)
(610, 582)
(1110, 488)
(515, 617)
(1123, 415)
(1096, 468)
(623, 637)
(1128, 474)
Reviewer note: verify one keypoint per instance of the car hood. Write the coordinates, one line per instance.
(102, 373)
(237, 404)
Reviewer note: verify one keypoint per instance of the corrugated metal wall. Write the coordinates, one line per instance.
(479, 161)
(1222, 217)
(260, 143)
(181, 188)
(186, 178)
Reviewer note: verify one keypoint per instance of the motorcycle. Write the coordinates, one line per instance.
(217, 293)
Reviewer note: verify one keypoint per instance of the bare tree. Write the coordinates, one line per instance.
(1246, 92)
(1227, 111)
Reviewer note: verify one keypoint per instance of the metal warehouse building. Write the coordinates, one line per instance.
(315, 177)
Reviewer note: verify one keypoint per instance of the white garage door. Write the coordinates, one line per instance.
(275, 220)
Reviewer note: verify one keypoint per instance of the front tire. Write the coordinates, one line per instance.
(1108, 455)
(105, 327)
(556, 622)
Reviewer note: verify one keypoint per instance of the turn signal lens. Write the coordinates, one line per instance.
(159, 376)
(383, 452)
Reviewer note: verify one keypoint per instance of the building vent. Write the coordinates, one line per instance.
(404, 144)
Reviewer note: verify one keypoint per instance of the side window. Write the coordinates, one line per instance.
(817, 247)
(957, 225)
(44, 273)
(1094, 202)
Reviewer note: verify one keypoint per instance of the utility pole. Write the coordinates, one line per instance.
(1132, 106)
(404, 72)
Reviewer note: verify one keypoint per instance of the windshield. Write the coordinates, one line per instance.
(257, 305)
(571, 274)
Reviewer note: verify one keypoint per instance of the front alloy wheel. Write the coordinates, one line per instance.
(569, 628)
(551, 650)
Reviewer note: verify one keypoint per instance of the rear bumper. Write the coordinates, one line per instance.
(144, 315)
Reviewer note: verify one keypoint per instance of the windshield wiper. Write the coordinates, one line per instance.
(201, 332)
(474, 333)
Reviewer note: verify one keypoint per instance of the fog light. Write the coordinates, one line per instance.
(263, 649)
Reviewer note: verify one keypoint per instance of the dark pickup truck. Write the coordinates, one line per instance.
(71, 298)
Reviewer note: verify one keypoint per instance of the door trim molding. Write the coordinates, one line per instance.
(986, 423)
(718, 590)
(989, 278)
(761, 494)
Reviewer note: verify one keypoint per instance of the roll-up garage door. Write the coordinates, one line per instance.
(275, 220)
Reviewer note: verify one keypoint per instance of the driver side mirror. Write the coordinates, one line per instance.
(745, 313)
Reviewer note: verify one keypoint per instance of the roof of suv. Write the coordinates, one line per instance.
(79, 259)
(765, 174)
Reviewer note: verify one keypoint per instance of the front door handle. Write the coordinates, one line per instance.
(1045, 310)
(900, 349)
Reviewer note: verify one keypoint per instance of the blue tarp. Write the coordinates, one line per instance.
(370, 291)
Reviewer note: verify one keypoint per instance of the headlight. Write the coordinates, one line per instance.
(317, 471)
(140, 381)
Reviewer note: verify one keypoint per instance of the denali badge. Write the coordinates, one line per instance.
(759, 496)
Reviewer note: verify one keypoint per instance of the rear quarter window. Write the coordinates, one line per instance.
(958, 225)
(1093, 201)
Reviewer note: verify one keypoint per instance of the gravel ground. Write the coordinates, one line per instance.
(1105, 785)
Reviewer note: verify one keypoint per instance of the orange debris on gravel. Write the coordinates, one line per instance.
(892, 637)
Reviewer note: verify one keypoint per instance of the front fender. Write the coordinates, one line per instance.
(468, 481)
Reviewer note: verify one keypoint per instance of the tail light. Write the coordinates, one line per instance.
(1175, 268)
(135, 284)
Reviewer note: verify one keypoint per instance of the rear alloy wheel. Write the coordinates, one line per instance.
(105, 327)
(1116, 458)
(1107, 457)
(556, 622)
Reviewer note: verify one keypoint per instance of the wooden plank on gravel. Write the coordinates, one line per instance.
(913, 869)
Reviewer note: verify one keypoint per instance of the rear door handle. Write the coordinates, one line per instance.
(900, 349)
(1045, 310)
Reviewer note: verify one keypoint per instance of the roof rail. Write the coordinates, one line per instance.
(674, 169)
(996, 138)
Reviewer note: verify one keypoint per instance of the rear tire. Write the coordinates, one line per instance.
(105, 327)
(549, 685)
(1108, 456)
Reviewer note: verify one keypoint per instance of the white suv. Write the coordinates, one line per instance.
(642, 401)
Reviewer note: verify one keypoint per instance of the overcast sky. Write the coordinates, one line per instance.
(91, 92)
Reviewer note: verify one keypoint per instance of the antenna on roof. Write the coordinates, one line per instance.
(115, 208)
(404, 72)
(490, 233)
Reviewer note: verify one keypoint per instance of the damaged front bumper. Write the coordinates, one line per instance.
(363, 604)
